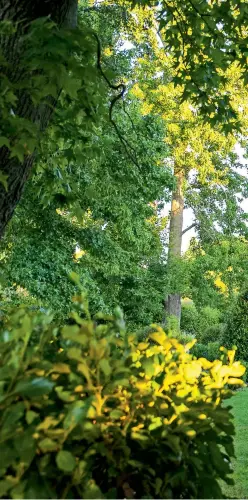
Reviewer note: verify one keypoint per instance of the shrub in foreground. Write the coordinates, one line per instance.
(107, 416)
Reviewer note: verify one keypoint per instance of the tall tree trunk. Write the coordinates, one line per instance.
(173, 303)
(64, 14)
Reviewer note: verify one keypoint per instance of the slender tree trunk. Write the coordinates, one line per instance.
(64, 13)
(173, 303)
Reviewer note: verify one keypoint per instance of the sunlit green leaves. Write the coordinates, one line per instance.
(34, 387)
(65, 461)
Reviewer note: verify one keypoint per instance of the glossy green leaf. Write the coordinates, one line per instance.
(65, 461)
(34, 387)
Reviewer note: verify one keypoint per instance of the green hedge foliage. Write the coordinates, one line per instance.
(189, 319)
(237, 327)
(214, 333)
(88, 411)
(210, 351)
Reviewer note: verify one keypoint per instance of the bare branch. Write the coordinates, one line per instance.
(121, 88)
(188, 228)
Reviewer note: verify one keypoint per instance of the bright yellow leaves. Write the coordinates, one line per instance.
(137, 92)
(230, 355)
(192, 371)
(159, 337)
(146, 108)
(152, 386)
(202, 416)
(236, 369)
(183, 375)
(191, 433)
(78, 254)
(189, 345)
(219, 283)
(143, 346)
(205, 363)
(184, 126)
(108, 52)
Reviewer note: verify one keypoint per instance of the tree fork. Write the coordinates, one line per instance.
(23, 12)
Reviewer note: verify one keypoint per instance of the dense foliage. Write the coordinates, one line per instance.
(109, 236)
(88, 411)
(109, 113)
(237, 326)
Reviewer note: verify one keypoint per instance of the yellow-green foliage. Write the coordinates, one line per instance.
(98, 414)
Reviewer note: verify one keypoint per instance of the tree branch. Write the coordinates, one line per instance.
(122, 89)
(188, 228)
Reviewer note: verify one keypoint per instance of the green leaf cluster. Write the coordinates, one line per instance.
(237, 326)
(77, 199)
(54, 66)
(204, 39)
(88, 411)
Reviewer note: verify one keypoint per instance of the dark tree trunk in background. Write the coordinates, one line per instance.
(64, 13)
(173, 303)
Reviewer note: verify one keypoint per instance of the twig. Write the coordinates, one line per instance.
(115, 99)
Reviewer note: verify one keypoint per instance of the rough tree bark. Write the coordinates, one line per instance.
(64, 13)
(173, 303)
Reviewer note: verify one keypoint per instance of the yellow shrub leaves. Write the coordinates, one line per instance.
(133, 406)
